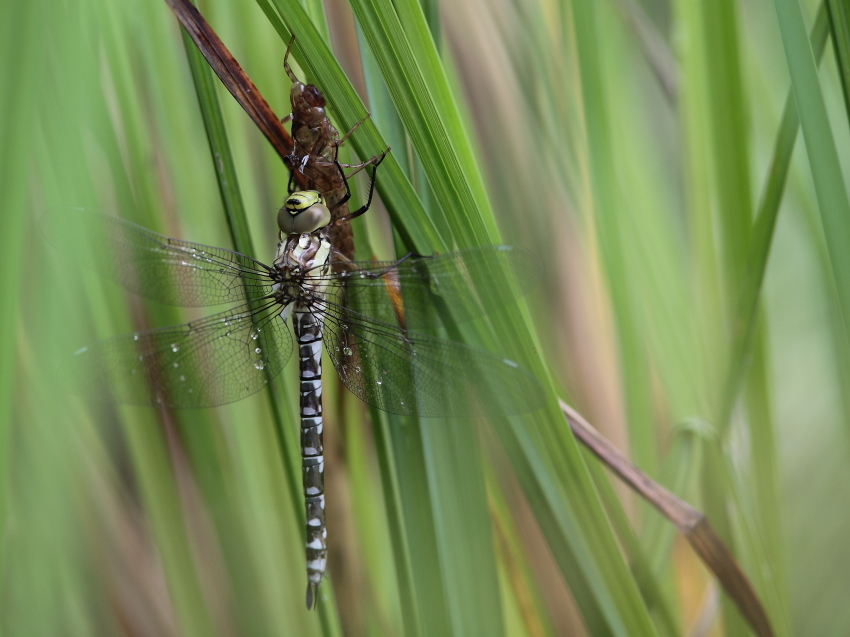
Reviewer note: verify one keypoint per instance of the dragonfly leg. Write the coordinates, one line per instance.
(329, 138)
(392, 266)
(317, 163)
(286, 66)
(347, 195)
(374, 160)
(353, 128)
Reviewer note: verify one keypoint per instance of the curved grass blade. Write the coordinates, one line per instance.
(762, 237)
(820, 146)
(839, 24)
(690, 522)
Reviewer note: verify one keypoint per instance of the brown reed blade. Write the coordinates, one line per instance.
(689, 521)
(235, 80)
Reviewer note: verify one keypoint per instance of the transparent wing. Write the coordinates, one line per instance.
(160, 268)
(469, 282)
(209, 362)
(405, 373)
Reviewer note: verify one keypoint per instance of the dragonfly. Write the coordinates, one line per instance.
(379, 322)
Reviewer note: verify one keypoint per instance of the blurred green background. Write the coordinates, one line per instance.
(637, 146)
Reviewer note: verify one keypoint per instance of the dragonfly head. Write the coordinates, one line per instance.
(303, 212)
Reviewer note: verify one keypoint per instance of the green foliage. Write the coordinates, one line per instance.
(693, 306)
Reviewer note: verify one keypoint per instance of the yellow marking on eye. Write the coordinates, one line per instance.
(300, 201)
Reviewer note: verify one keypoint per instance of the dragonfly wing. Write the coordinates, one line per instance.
(405, 373)
(469, 283)
(209, 362)
(160, 268)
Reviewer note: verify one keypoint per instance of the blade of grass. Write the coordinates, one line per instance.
(457, 158)
(690, 522)
(68, 165)
(401, 453)
(743, 330)
(839, 25)
(17, 125)
(762, 234)
(659, 605)
(729, 153)
(225, 171)
(729, 139)
(820, 147)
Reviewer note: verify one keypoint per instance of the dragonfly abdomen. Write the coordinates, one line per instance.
(308, 332)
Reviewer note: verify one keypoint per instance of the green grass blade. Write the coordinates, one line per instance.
(820, 146)
(730, 159)
(656, 601)
(18, 37)
(730, 152)
(762, 237)
(839, 25)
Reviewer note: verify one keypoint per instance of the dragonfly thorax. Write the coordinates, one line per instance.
(302, 264)
(303, 212)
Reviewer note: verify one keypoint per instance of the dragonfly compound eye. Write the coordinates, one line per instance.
(303, 212)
